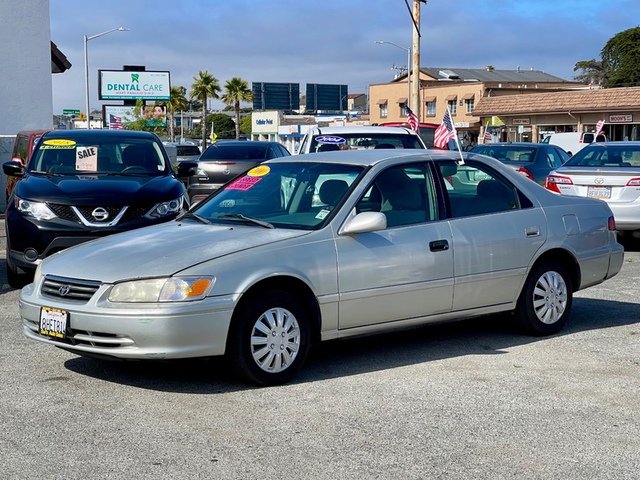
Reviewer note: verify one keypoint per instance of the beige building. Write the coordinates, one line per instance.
(460, 90)
(532, 117)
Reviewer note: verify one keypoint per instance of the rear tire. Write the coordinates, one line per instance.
(270, 340)
(545, 303)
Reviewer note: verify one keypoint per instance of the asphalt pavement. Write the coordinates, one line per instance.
(468, 400)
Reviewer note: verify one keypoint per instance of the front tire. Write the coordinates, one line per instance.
(545, 303)
(270, 340)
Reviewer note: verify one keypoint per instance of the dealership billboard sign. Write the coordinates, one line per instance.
(126, 85)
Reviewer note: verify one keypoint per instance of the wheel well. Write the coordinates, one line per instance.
(290, 285)
(567, 260)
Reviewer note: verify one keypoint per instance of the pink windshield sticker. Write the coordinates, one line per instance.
(244, 183)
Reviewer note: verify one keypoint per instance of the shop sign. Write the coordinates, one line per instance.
(521, 121)
(620, 118)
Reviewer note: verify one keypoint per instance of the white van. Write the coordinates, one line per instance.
(573, 142)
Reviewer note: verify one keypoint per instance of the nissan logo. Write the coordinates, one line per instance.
(599, 181)
(63, 290)
(100, 214)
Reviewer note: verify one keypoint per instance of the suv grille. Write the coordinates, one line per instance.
(66, 212)
(69, 289)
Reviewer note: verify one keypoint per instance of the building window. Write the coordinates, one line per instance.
(403, 109)
(453, 106)
(383, 110)
(470, 104)
(431, 108)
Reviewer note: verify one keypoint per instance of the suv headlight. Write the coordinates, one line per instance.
(174, 289)
(37, 210)
(164, 209)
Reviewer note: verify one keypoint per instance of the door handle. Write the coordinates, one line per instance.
(438, 245)
(532, 231)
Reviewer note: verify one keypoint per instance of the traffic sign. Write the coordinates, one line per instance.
(67, 111)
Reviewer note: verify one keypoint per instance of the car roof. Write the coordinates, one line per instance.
(364, 129)
(102, 133)
(512, 144)
(373, 157)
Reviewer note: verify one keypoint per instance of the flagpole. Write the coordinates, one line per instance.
(455, 136)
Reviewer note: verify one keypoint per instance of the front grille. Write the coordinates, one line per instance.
(66, 212)
(69, 289)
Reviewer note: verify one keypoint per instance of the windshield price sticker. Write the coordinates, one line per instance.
(259, 171)
(332, 139)
(58, 144)
(87, 159)
(244, 183)
(53, 322)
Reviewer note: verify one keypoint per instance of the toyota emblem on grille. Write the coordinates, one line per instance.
(100, 214)
(64, 290)
(599, 181)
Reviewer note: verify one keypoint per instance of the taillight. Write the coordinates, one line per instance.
(525, 172)
(634, 182)
(552, 182)
(612, 223)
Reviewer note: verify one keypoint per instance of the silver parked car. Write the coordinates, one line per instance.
(317, 247)
(609, 171)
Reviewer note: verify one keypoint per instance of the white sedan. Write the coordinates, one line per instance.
(317, 247)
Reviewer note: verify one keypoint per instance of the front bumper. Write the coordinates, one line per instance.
(133, 331)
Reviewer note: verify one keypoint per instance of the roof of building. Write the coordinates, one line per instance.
(560, 102)
(490, 75)
(59, 62)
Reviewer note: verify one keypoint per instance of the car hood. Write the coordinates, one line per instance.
(159, 250)
(99, 189)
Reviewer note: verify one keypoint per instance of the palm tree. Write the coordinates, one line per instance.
(204, 86)
(235, 91)
(177, 103)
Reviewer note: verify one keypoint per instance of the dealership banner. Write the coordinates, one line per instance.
(125, 85)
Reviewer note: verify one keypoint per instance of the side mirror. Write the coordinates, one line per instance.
(364, 222)
(187, 169)
(14, 168)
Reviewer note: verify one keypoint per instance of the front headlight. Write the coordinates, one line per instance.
(37, 210)
(174, 289)
(164, 209)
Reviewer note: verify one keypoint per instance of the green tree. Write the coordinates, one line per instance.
(245, 125)
(222, 124)
(237, 90)
(619, 65)
(177, 103)
(592, 72)
(621, 59)
(204, 86)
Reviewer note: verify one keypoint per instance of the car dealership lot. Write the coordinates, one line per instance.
(465, 400)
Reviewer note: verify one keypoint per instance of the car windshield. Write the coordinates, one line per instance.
(98, 154)
(507, 154)
(363, 141)
(235, 152)
(607, 156)
(185, 150)
(286, 195)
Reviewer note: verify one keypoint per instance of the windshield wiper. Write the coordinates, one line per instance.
(196, 216)
(244, 218)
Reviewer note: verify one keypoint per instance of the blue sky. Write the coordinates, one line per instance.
(328, 41)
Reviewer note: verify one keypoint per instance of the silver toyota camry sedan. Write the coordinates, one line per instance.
(304, 249)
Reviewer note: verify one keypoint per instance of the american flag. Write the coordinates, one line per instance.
(412, 119)
(445, 132)
(487, 134)
(115, 122)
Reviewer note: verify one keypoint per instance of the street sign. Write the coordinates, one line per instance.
(67, 111)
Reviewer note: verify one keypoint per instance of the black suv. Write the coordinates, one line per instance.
(85, 184)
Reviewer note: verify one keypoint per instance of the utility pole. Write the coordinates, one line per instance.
(414, 69)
